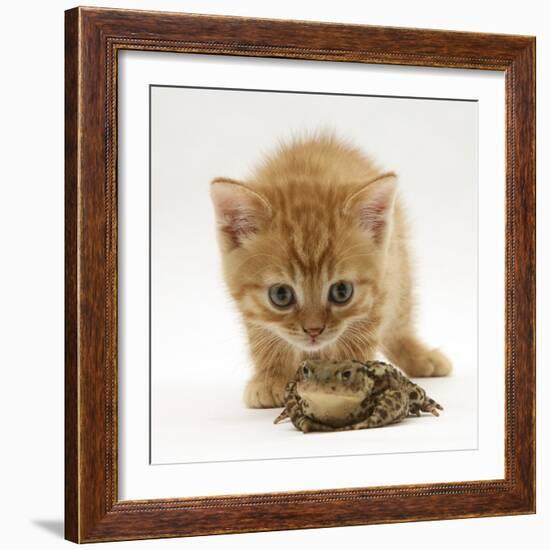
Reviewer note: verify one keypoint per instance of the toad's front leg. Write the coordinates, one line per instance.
(293, 406)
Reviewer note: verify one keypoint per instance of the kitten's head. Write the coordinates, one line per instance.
(302, 260)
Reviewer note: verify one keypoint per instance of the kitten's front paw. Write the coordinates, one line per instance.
(258, 395)
(432, 363)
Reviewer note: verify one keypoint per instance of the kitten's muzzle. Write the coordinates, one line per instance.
(313, 332)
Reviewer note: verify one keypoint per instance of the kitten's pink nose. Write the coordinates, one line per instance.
(314, 331)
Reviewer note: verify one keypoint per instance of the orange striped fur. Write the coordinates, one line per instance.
(317, 212)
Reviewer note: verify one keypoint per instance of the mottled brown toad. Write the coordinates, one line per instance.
(351, 395)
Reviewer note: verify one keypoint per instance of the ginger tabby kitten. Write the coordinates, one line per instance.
(314, 250)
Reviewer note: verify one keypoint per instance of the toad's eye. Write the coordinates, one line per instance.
(346, 375)
(340, 292)
(281, 296)
(307, 371)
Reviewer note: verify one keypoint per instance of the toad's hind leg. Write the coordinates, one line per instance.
(306, 425)
(420, 402)
(390, 407)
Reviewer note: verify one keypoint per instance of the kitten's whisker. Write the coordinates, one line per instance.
(267, 338)
(350, 349)
(365, 339)
(265, 349)
(360, 330)
(264, 339)
(362, 337)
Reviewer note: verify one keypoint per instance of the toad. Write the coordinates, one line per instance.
(351, 395)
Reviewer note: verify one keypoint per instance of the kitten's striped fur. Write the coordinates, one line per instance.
(316, 212)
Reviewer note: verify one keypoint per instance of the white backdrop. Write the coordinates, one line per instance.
(33, 509)
(199, 357)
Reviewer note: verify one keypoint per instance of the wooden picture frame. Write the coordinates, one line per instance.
(93, 511)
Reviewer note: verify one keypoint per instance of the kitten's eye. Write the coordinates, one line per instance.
(340, 292)
(282, 295)
(346, 375)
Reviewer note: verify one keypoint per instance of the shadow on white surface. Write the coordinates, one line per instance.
(55, 527)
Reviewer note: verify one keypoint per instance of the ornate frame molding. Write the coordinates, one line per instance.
(93, 38)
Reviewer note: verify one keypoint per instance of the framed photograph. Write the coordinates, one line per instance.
(300, 274)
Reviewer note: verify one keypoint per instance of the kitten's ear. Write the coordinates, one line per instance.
(239, 210)
(372, 205)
